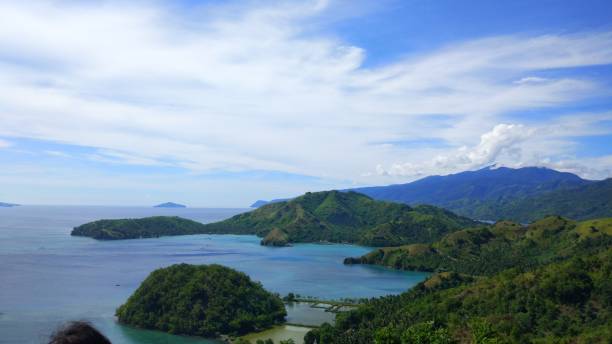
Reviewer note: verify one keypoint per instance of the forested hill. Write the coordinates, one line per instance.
(501, 193)
(201, 300)
(568, 301)
(344, 217)
(589, 201)
(489, 250)
(548, 282)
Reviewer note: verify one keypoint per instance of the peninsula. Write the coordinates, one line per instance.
(148, 227)
(350, 217)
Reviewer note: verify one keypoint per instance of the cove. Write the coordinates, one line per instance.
(49, 277)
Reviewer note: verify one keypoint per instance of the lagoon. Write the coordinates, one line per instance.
(49, 277)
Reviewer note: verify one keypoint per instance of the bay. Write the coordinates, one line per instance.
(48, 277)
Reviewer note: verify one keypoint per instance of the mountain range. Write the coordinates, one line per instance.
(497, 193)
(523, 194)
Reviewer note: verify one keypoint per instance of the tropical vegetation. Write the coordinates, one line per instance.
(201, 300)
(148, 227)
(351, 217)
(521, 195)
(550, 282)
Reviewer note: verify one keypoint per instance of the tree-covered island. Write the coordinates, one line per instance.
(201, 300)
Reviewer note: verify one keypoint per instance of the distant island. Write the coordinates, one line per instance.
(201, 300)
(350, 217)
(170, 205)
(261, 202)
(148, 227)
(8, 205)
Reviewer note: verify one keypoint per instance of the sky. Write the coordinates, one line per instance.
(221, 103)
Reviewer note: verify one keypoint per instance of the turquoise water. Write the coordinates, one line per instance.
(48, 277)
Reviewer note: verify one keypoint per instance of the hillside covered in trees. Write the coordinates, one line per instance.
(343, 217)
(201, 300)
(549, 282)
(522, 195)
(488, 250)
(589, 201)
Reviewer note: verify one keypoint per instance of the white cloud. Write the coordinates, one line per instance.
(530, 80)
(503, 139)
(248, 88)
(56, 153)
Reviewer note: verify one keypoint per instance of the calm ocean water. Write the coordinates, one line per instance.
(48, 277)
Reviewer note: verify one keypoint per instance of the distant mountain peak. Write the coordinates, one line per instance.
(480, 194)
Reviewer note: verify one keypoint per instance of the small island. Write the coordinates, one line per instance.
(201, 300)
(8, 205)
(276, 237)
(170, 205)
(148, 227)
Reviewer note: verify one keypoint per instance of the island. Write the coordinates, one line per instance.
(276, 237)
(201, 300)
(8, 205)
(261, 202)
(148, 227)
(170, 205)
(343, 217)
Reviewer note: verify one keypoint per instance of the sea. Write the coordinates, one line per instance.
(48, 277)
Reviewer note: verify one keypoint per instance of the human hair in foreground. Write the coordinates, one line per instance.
(78, 332)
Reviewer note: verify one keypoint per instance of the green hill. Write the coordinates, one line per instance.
(565, 302)
(549, 282)
(344, 217)
(489, 250)
(148, 227)
(201, 300)
(522, 195)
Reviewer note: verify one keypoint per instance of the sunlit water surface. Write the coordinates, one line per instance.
(48, 277)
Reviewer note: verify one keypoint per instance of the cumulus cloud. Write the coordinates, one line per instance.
(503, 139)
(241, 87)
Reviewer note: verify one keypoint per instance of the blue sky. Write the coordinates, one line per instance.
(216, 103)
